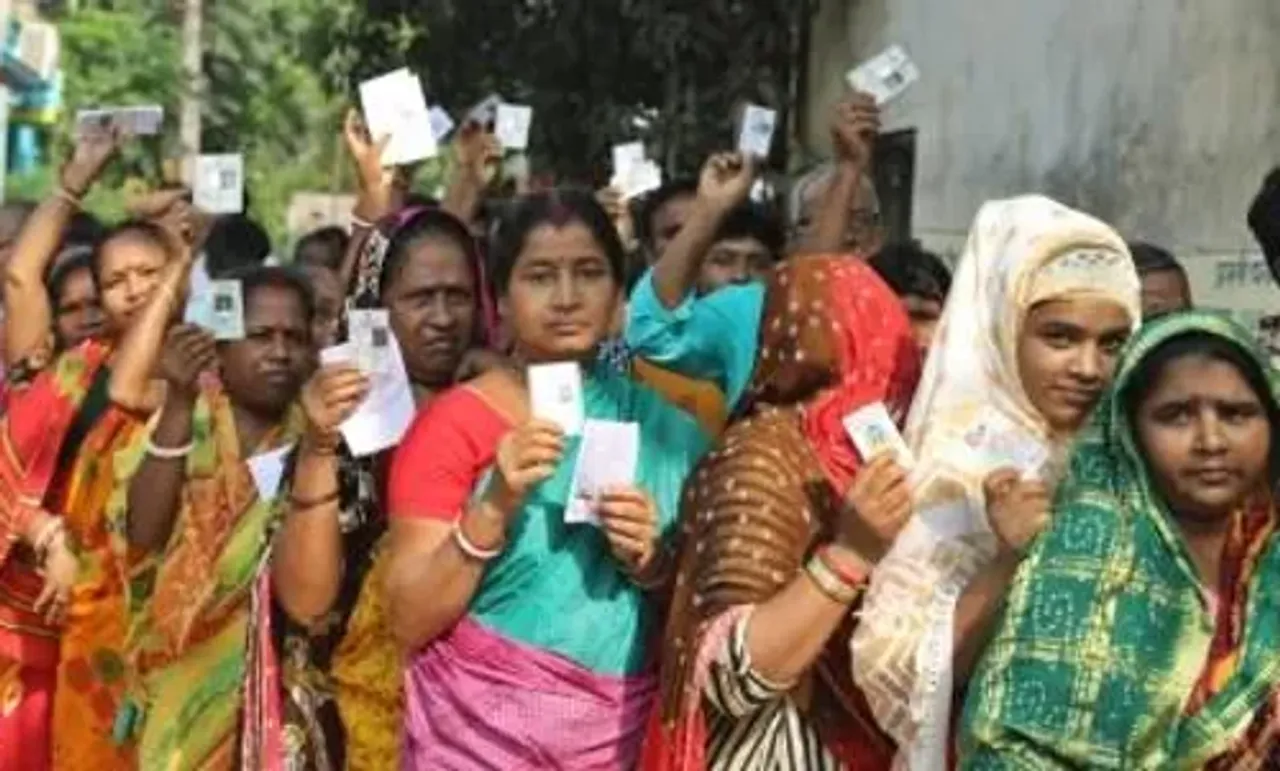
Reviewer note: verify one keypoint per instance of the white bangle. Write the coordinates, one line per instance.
(360, 222)
(169, 453)
(470, 549)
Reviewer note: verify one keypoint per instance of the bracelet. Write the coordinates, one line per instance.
(324, 447)
(830, 583)
(307, 504)
(56, 527)
(170, 453)
(850, 576)
(360, 222)
(657, 572)
(469, 548)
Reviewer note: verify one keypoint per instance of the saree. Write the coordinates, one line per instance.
(1110, 653)
(1020, 252)
(189, 606)
(553, 664)
(56, 426)
(834, 339)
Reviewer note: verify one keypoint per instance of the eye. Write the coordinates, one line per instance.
(1239, 413)
(1172, 414)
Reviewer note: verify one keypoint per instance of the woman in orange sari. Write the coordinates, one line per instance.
(63, 633)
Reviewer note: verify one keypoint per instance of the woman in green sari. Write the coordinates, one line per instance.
(1143, 628)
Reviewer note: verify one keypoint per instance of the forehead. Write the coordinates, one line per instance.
(1199, 374)
(1163, 281)
(433, 261)
(740, 245)
(130, 249)
(274, 305)
(1096, 315)
(572, 240)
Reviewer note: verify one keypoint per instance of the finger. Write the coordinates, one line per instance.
(538, 456)
(624, 493)
(381, 145)
(344, 393)
(628, 548)
(45, 598)
(56, 610)
(541, 427)
(543, 440)
(529, 477)
(629, 513)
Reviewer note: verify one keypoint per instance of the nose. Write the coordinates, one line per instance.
(278, 348)
(1087, 364)
(1209, 437)
(566, 292)
(438, 315)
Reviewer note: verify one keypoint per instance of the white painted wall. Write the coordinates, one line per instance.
(1159, 116)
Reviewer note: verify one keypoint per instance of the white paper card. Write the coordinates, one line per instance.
(555, 394)
(994, 442)
(370, 332)
(441, 122)
(511, 125)
(873, 433)
(394, 106)
(197, 309)
(386, 413)
(224, 313)
(756, 136)
(141, 121)
(627, 155)
(885, 76)
(267, 470)
(607, 458)
(219, 183)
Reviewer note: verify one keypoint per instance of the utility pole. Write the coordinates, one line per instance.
(193, 86)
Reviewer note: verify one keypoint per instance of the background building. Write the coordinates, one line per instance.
(1159, 116)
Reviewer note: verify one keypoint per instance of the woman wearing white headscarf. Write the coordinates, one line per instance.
(1042, 301)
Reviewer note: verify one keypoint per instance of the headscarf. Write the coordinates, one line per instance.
(1107, 655)
(1020, 252)
(833, 338)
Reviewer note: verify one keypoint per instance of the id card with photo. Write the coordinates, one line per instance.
(370, 332)
(608, 456)
(873, 433)
(219, 183)
(226, 309)
(886, 76)
(555, 394)
(756, 135)
(512, 125)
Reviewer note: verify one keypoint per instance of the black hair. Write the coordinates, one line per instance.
(1148, 373)
(1264, 220)
(235, 242)
(1149, 258)
(83, 229)
(143, 230)
(79, 259)
(683, 187)
(558, 208)
(754, 220)
(323, 248)
(910, 269)
(277, 277)
(428, 223)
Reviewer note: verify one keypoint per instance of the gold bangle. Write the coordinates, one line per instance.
(66, 196)
(829, 583)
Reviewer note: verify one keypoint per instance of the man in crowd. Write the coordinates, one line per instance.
(1165, 287)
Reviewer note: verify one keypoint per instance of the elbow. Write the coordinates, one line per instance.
(306, 606)
(414, 624)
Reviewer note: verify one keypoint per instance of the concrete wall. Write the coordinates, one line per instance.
(1159, 116)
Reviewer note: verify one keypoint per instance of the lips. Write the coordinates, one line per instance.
(1075, 397)
(278, 377)
(1212, 476)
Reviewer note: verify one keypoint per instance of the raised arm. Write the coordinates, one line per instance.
(307, 559)
(26, 300)
(476, 152)
(436, 566)
(376, 197)
(155, 491)
(724, 183)
(853, 131)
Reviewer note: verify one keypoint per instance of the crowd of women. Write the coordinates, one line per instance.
(1076, 566)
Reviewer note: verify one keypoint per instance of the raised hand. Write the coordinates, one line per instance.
(93, 151)
(630, 522)
(854, 127)
(331, 396)
(1018, 510)
(877, 507)
(526, 456)
(725, 180)
(377, 184)
(188, 352)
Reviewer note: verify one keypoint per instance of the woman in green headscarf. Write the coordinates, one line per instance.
(1143, 629)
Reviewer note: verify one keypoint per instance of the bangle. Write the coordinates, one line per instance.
(324, 447)
(51, 531)
(469, 547)
(655, 576)
(306, 504)
(840, 567)
(169, 453)
(829, 582)
(360, 222)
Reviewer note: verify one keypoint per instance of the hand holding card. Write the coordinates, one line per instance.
(607, 459)
(755, 138)
(512, 126)
(219, 183)
(873, 433)
(886, 76)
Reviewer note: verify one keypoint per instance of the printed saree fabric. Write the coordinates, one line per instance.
(1110, 654)
(58, 416)
(1020, 252)
(555, 610)
(834, 339)
(190, 606)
